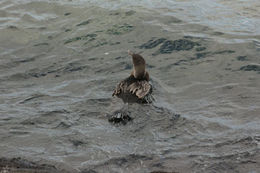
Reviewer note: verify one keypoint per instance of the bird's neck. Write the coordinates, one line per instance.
(138, 72)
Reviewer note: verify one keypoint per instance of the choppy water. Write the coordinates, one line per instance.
(60, 61)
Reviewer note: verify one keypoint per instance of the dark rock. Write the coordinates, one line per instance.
(119, 117)
(152, 43)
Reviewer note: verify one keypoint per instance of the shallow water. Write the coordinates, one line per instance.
(60, 62)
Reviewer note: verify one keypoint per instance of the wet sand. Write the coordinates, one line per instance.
(60, 63)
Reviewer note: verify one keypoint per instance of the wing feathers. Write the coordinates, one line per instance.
(136, 88)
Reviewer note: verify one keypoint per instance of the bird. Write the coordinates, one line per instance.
(137, 87)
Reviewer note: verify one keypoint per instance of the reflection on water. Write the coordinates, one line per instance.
(60, 62)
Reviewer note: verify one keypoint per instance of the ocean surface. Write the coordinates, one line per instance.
(60, 61)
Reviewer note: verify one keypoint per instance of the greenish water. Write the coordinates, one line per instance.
(60, 61)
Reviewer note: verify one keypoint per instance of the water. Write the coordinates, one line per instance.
(60, 61)
(230, 17)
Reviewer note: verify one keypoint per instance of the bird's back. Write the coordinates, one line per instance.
(134, 90)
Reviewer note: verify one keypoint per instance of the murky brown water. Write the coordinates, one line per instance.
(60, 61)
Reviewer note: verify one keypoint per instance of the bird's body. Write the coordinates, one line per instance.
(135, 88)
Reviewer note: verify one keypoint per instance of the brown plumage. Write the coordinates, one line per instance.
(135, 88)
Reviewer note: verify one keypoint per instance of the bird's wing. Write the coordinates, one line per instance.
(119, 88)
(140, 88)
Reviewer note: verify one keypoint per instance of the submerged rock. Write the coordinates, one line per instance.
(119, 117)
